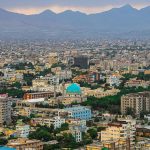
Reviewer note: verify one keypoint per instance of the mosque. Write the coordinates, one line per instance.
(71, 94)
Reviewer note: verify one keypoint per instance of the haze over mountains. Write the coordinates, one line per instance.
(69, 24)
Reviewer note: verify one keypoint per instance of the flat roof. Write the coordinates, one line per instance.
(78, 108)
(35, 100)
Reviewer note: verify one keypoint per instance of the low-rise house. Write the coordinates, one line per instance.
(23, 130)
(24, 143)
(137, 83)
(56, 121)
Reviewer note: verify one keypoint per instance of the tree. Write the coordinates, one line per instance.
(28, 78)
(111, 103)
(96, 119)
(42, 133)
(99, 129)
(68, 141)
(64, 126)
(45, 72)
(24, 119)
(86, 139)
(3, 141)
(17, 85)
(12, 92)
(93, 133)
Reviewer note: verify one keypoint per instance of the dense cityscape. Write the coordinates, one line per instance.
(77, 94)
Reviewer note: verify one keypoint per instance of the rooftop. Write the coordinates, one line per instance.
(77, 108)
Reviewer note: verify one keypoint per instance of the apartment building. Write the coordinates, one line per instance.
(79, 112)
(25, 144)
(56, 121)
(113, 80)
(23, 130)
(120, 130)
(137, 83)
(138, 102)
(5, 109)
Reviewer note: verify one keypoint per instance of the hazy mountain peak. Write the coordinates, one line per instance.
(145, 8)
(119, 20)
(127, 6)
(47, 12)
(4, 11)
(67, 12)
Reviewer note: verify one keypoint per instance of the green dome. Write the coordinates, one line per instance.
(73, 89)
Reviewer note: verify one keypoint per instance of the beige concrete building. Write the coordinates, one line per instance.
(52, 59)
(137, 101)
(120, 130)
(56, 121)
(137, 83)
(23, 144)
(5, 109)
(110, 145)
(100, 92)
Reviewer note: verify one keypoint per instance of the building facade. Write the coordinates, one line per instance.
(56, 121)
(5, 109)
(79, 112)
(38, 95)
(81, 62)
(25, 144)
(23, 130)
(120, 130)
(138, 102)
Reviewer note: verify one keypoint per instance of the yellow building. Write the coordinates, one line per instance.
(23, 143)
(94, 147)
(110, 145)
(100, 92)
(118, 131)
(147, 72)
(25, 111)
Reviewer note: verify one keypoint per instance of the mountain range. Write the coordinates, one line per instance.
(121, 21)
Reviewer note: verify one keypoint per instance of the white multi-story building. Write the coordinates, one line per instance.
(113, 80)
(77, 135)
(23, 130)
(77, 130)
(56, 121)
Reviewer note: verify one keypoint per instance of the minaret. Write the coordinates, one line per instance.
(63, 90)
(55, 88)
(54, 91)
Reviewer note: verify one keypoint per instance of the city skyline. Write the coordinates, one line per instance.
(85, 6)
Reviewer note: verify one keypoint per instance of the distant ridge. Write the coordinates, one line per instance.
(47, 24)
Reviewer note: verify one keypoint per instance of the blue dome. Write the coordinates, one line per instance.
(73, 89)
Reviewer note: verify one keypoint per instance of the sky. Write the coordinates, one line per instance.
(86, 6)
